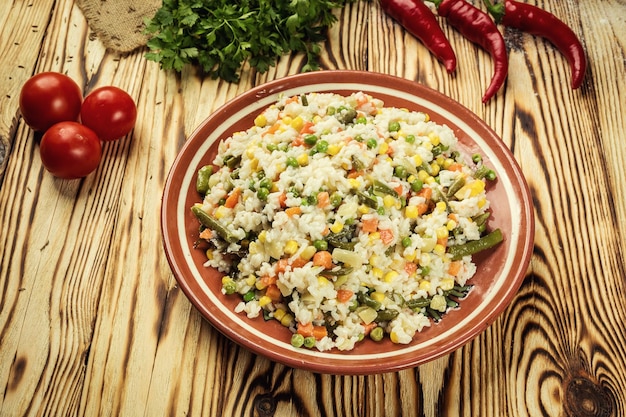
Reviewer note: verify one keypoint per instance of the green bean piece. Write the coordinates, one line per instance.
(474, 246)
(304, 100)
(418, 303)
(386, 315)
(380, 188)
(365, 299)
(346, 116)
(456, 185)
(297, 340)
(339, 272)
(209, 221)
(357, 164)
(481, 172)
(229, 287)
(202, 180)
(481, 219)
(232, 161)
(377, 334)
(368, 200)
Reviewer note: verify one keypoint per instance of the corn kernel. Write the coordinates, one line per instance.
(481, 203)
(251, 280)
(374, 236)
(354, 183)
(259, 285)
(378, 296)
(303, 159)
(226, 279)
(427, 145)
(287, 120)
(209, 254)
(250, 151)
(297, 123)
(441, 232)
(333, 149)
(411, 178)
(440, 160)
(434, 169)
(451, 225)
(434, 138)
(291, 247)
(323, 281)
(254, 163)
(377, 272)
(264, 300)
(363, 209)
(417, 160)
(253, 248)
(308, 252)
(410, 255)
(389, 201)
(426, 117)
(279, 314)
(430, 180)
(220, 212)
(423, 175)
(317, 119)
(390, 276)
(383, 148)
(447, 284)
(424, 285)
(262, 236)
(439, 249)
(447, 163)
(476, 187)
(411, 212)
(286, 320)
(441, 206)
(374, 260)
(336, 227)
(260, 120)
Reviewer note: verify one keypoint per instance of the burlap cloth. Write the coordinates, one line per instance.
(119, 24)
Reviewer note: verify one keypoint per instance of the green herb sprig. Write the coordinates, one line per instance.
(220, 36)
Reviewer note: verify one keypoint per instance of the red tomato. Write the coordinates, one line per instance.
(70, 150)
(48, 98)
(110, 112)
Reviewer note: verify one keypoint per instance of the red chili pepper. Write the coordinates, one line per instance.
(422, 23)
(478, 27)
(538, 22)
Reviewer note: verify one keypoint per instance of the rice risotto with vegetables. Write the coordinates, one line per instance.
(343, 219)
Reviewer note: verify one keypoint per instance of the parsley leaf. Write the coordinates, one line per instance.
(221, 37)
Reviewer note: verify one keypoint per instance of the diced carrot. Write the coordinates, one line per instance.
(455, 166)
(292, 211)
(422, 208)
(319, 332)
(281, 265)
(298, 141)
(274, 293)
(453, 216)
(326, 231)
(233, 198)
(410, 268)
(306, 127)
(369, 225)
(323, 258)
(343, 295)
(454, 268)
(267, 280)
(272, 129)
(298, 262)
(399, 189)
(355, 174)
(206, 234)
(443, 241)
(323, 199)
(426, 192)
(386, 235)
(282, 200)
(361, 100)
(305, 329)
(292, 99)
(369, 327)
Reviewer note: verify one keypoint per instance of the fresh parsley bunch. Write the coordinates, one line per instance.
(221, 36)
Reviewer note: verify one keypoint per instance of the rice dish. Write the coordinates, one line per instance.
(344, 219)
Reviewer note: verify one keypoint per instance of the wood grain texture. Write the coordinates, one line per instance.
(92, 322)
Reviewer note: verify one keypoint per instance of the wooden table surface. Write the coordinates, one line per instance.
(92, 321)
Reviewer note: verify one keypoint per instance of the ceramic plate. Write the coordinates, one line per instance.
(499, 272)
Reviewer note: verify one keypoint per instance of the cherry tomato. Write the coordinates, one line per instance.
(110, 112)
(48, 98)
(70, 150)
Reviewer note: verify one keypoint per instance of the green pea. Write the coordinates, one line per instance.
(491, 175)
(330, 110)
(249, 296)
(372, 143)
(400, 172)
(292, 162)
(417, 185)
(262, 194)
(271, 147)
(425, 271)
(297, 340)
(406, 241)
(309, 342)
(266, 183)
(394, 126)
(320, 244)
(377, 334)
(310, 140)
(410, 139)
(361, 120)
(335, 199)
(321, 146)
(229, 287)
